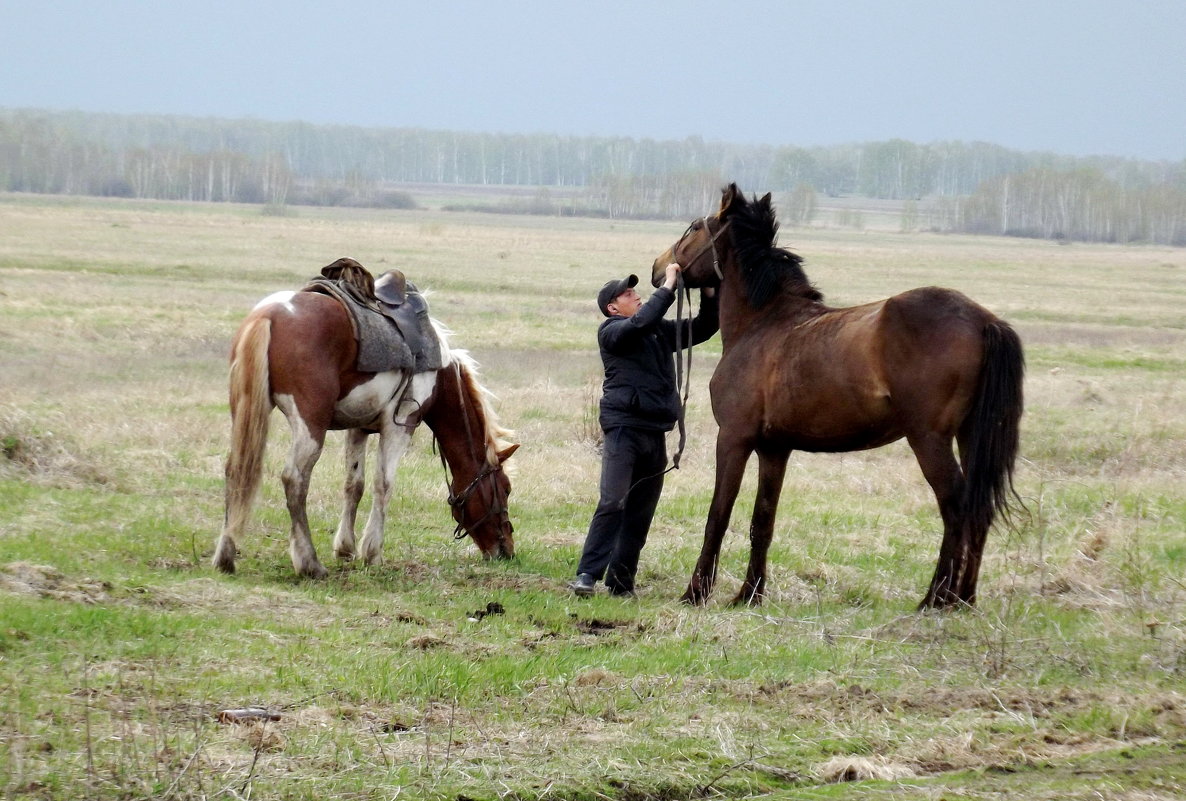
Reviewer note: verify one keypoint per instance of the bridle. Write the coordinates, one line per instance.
(458, 501)
(710, 245)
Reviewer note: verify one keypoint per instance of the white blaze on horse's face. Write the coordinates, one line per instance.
(282, 298)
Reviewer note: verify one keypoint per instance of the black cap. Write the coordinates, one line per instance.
(612, 289)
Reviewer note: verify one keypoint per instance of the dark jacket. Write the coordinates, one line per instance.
(639, 389)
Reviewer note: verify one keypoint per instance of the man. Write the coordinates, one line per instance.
(639, 405)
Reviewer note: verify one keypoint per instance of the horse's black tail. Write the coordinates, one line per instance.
(991, 433)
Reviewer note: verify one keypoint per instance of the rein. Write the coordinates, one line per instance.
(683, 376)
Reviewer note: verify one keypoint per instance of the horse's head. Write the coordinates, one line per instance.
(701, 250)
(481, 509)
(741, 237)
(474, 449)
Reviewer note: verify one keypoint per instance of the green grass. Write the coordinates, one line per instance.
(119, 645)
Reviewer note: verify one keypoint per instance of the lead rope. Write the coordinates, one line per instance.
(683, 378)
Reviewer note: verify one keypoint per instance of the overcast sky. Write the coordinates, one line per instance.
(1078, 77)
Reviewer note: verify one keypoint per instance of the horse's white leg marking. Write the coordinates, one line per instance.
(394, 439)
(355, 454)
(393, 444)
(305, 451)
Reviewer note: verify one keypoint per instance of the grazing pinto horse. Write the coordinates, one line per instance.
(296, 351)
(929, 365)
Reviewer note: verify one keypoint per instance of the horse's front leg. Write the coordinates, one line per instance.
(393, 443)
(771, 469)
(306, 448)
(355, 458)
(731, 459)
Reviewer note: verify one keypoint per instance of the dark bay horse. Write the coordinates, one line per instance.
(296, 351)
(929, 365)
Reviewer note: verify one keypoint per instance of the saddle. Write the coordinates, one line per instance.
(389, 317)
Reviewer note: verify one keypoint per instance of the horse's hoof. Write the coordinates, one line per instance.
(693, 598)
(940, 603)
(224, 560)
(316, 572)
(746, 599)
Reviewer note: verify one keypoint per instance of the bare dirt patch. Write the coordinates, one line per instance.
(45, 581)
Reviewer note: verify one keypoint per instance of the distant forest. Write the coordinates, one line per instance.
(973, 187)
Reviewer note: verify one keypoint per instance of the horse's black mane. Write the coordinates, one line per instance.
(766, 269)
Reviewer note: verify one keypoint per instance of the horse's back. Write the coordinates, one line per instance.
(933, 346)
(310, 331)
(312, 350)
(935, 306)
(813, 383)
(932, 325)
(860, 376)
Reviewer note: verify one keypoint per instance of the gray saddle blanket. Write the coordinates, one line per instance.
(389, 336)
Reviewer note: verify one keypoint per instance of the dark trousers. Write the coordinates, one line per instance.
(632, 465)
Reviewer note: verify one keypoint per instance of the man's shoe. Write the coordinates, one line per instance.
(619, 593)
(583, 585)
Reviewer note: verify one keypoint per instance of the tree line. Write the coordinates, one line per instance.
(255, 161)
(1078, 204)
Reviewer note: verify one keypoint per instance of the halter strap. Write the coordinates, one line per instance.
(711, 244)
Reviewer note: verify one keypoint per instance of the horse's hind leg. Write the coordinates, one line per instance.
(977, 527)
(942, 472)
(227, 547)
(306, 448)
(355, 458)
(771, 469)
(393, 442)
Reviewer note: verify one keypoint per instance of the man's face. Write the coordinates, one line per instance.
(626, 304)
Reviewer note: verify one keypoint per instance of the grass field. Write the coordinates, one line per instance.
(119, 644)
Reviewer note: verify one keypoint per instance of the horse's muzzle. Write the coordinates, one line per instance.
(501, 551)
(659, 268)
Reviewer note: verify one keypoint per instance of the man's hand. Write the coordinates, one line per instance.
(671, 274)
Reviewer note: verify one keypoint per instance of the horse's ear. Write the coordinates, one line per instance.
(729, 196)
(505, 453)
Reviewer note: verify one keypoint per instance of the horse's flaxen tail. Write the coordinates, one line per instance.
(251, 407)
(991, 437)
